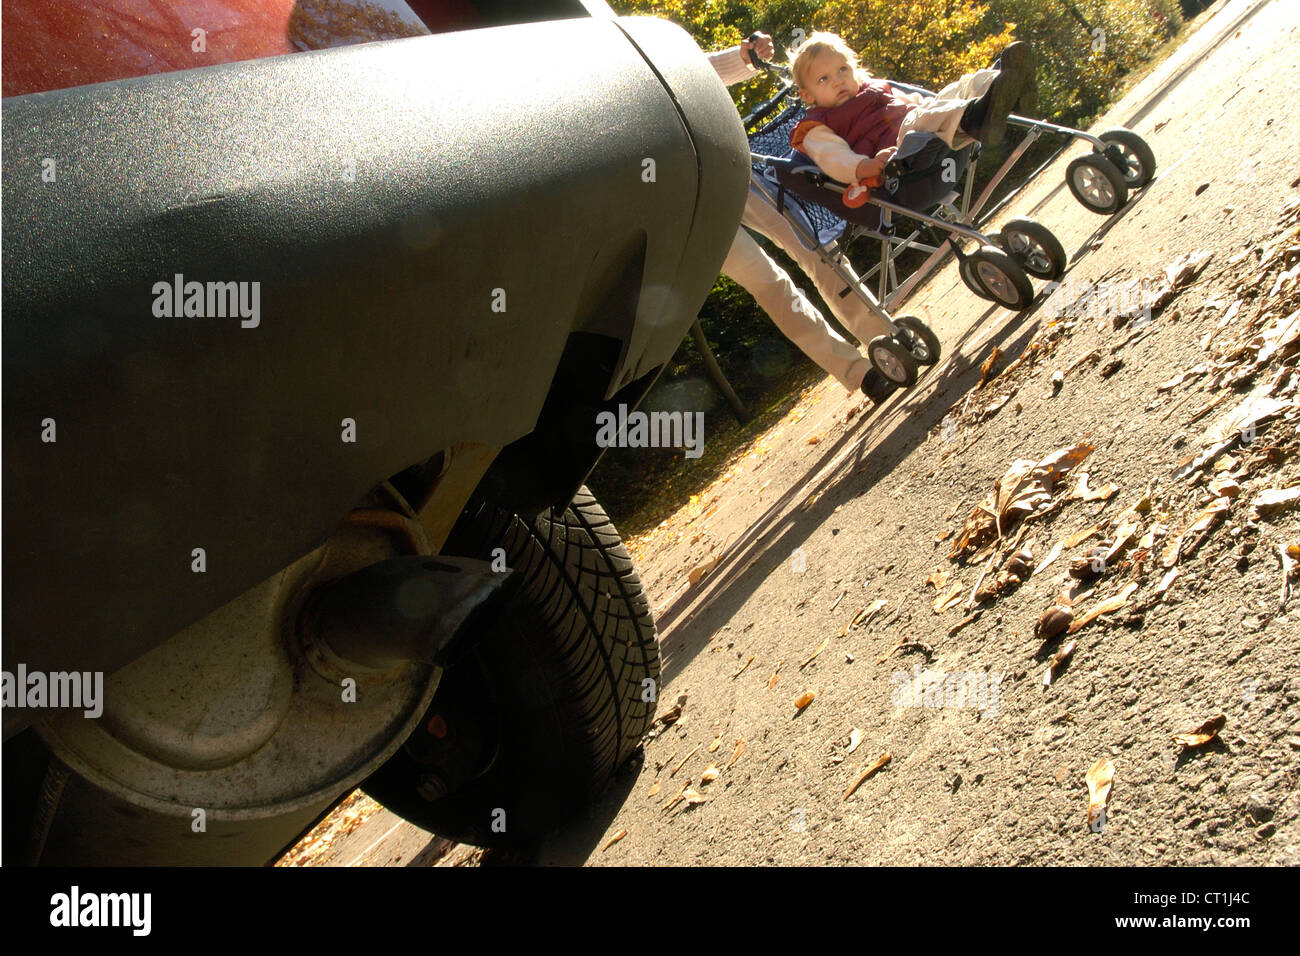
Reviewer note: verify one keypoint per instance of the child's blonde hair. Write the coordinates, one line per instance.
(815, 45)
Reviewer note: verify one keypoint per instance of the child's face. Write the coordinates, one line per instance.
(828, 80)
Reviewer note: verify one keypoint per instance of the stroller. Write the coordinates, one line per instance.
(922, 185)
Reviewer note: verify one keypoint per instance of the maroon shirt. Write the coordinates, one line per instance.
(869, 122)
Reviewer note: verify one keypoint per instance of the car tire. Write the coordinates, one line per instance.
(555, 694)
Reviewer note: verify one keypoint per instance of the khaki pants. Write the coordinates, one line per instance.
(783, 301)
(942, 115)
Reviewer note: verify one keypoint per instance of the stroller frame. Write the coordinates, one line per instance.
(1100, 180)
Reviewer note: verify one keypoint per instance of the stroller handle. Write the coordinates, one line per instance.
(762, 64)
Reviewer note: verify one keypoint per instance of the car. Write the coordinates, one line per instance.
(311, 310)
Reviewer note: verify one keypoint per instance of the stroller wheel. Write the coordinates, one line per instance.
(1035, 248)
(918, 339)
(1134, 157)
(893, 360)
(1001, 277)
(1097, 183)
(968, 276)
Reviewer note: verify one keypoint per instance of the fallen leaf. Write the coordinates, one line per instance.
(1125, 531)
(1108, 606)
(771, 681)
(673, 801)
(938, 579)
(654, 789)
(951, 599)
(1275, 499)
(1099, 779)
(614, 839)
(1051, 556)
(1252, 410)
(715, 745)
(1102, 494)
(1203, 734)
(820, 647)
(1076, 539)
(1026, 487)
(804, 699)
(1225, 487)
(699, 573)
(1080, 487)
(743, 667)
(855, 738)
(873, 608)
(1187, 268)
(682, 763)
(669, 716)
(988, 366)
(693, 796)
(1167, 580)
(1289, 553)
(1059, 658)
(876, 765)
(1202, 523)
(735, 754)
(710, 775)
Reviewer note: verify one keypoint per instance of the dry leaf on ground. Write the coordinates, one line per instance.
(1100, 777)
(1104, 493)
(1026, 487)
(1203, 734)
(698, 574)
(1059, 658)
(1076, 539)
(876, 765)
(820, 647)
(693, 796)
(804, 699)
(855, 738)
(735, 754)
(1225, 487)
(1203, 522)
(1108, 606)
(987, 367)
(951, 599)
(1051, 556)
(615, 838)
(1276, 499)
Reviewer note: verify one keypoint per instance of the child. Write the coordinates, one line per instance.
(855, 122)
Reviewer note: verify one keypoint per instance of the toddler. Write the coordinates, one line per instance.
(855, 121)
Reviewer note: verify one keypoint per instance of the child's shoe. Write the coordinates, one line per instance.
(985, 118)
(876, 387)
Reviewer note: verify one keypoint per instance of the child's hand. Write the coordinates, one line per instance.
(870, 169)
(885, 155)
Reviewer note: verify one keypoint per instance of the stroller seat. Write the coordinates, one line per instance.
(922, 173)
